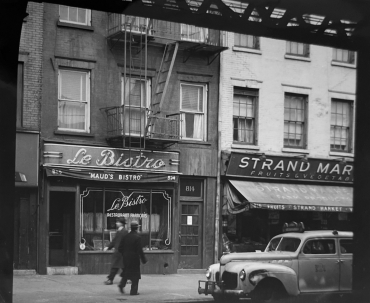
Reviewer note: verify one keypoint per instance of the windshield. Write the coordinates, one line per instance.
(283, 244)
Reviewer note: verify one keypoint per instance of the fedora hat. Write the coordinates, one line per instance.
(122, 220)
(135, 224)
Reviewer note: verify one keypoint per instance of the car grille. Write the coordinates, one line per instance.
(230, 280)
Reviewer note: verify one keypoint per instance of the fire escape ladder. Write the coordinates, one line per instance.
(161, 84)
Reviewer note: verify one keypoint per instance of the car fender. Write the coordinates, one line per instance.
(256, 272)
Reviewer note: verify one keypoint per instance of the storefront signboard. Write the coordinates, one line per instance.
(289, 168)
(191, 188)
(62, 155)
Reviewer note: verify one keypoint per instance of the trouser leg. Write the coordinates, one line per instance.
(134, 286)
(112, 274)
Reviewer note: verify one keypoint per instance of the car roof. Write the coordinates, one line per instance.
(317, 234)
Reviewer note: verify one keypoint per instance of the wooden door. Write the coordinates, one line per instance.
(190, 235)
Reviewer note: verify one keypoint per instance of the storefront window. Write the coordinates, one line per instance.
(101, 207)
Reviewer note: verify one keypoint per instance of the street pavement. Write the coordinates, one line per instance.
(91, 289)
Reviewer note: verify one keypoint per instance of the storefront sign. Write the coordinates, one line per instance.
(191, 188)
(114, 158)
(283, 168)
(301, 207)
(110, 175)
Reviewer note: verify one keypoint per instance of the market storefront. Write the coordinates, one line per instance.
(261, 193)
(86, 188)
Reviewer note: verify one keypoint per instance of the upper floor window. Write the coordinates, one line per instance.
(297, 49)
(244, 115)
(193, 113)
(75, 15)
(193, 33)
(20, 91)
(295, 120)
(74, 100)
(341, 125)
(246, 41)
(135, 101)
(343, 55)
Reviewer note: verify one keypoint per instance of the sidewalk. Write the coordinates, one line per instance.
(91, 289)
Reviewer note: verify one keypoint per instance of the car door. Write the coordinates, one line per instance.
(318, 266)
(346, 255)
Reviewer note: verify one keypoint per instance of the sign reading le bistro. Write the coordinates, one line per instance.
(275, 167)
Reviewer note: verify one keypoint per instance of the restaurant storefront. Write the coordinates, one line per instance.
(261, 193)
(86, 188)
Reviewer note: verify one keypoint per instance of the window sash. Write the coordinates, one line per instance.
(248, 41)
(74, 15)
(294, 121)
(193, 33)
(341, 126)
(343, 55)
(297, 49)
(73, 100)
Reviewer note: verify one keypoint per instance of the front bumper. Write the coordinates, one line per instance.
(213, 288)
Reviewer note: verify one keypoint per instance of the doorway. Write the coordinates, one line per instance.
(61, 228)
(190, 234)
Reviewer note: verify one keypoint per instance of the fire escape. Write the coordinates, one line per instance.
(144, 120)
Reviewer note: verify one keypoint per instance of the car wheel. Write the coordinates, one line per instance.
(269, 291)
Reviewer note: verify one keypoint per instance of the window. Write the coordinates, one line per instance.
(297, 49)
(193, 98)
(294, 121)
(346, 246)
(135, 103)
(246, 41)
(341, 125)
(74, 15)
(100, 208)
(193, 33)
(319, 247)
(244, 115)
(74, 100)
(343, 55)
(20, 90)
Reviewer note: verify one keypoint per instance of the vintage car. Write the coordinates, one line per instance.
(293, 264)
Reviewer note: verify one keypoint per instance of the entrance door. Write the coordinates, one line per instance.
(190, 233)
(61, 228)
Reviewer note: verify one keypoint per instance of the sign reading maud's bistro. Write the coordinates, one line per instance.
(114, 164)
(275, 167)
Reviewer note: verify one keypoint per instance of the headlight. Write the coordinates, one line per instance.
(242, 275)
(208, 273)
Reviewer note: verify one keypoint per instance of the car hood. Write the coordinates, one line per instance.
(258, 257)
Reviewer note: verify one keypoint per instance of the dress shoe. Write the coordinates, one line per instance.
(121, 289)
(108, 282)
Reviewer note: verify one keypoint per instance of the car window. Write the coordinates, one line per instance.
(319, 246)
(288, 244)
(346, 246)
(273, 244)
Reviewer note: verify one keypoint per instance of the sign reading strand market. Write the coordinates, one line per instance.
(110, 158)
(283, 168)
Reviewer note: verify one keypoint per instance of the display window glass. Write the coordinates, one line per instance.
(101, 207)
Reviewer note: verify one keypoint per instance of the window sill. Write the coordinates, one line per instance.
(78, 26)
(82, 134)
(162, 251)
(299, 58)
(295, 150)
(343, 64)
(194, 142)
(244, 146)
(247, 50)
(342, 154)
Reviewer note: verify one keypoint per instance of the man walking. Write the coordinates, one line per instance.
(132, 253)
(117, 261)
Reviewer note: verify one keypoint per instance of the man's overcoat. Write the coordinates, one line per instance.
(117, 261)
(132, 253)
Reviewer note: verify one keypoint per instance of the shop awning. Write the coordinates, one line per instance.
(300, 197)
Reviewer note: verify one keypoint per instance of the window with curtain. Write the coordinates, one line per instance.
(74, 100)
(295, 120)
(193, 98)
(193, 33)
(74, 15)
(248, 41)
(244, 115)
(135, 102)
(343, 55)
(100, 208)
(20, 90)
(297, 49)
(341, 125)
